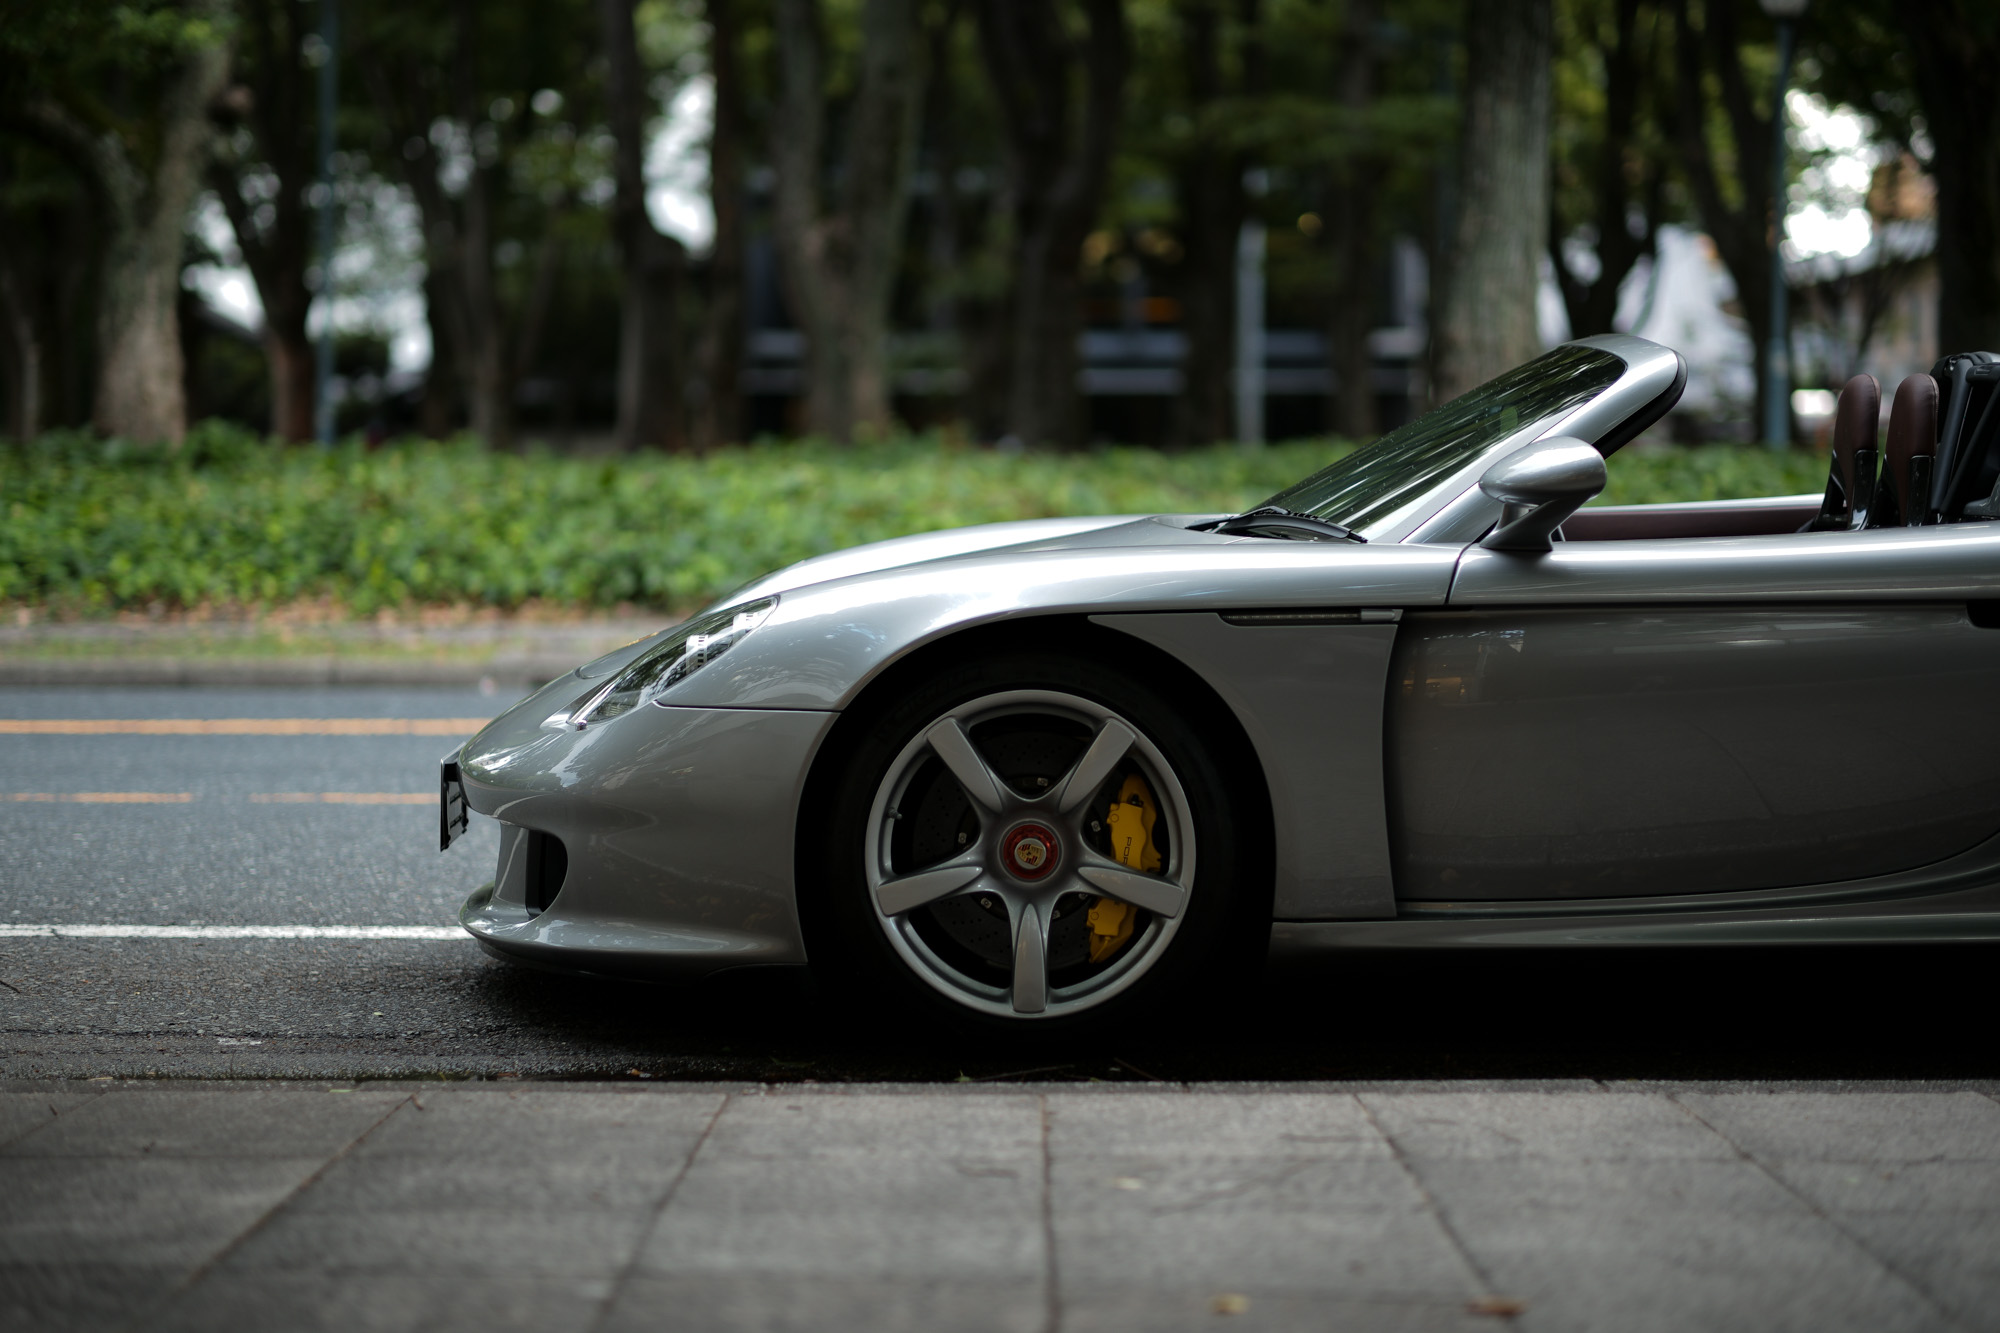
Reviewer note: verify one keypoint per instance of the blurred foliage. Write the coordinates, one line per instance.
(98, 526)
(1658, 474)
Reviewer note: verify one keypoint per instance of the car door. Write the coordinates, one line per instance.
(1643, 718)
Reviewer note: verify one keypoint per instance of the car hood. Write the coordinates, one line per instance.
(1030, 534)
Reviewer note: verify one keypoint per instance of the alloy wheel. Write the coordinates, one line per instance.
(1030, 854)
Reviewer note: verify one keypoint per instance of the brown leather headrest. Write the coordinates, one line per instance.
(1912, 431)
(1856, 419)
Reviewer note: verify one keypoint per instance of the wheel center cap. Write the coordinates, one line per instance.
(1030, 851)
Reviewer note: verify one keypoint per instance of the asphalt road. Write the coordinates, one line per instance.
(183, 830)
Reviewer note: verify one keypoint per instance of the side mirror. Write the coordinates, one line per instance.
(1541, 486)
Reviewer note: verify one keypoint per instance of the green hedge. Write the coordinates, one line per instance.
(227, 519)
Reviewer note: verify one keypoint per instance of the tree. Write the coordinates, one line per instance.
(1924, 73)
(720, 419)
(1058, 159)
(1610, 167)
(649, 360)
(472, 108)
(1726, 157)
(1353, 214)
(141, 152)
(1956, 51)
(1487, 321)
(20, 332)
(48, 247)
(1211, 201)
(840, 254)
(261, 174)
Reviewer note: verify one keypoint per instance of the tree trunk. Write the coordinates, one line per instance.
(277, 258)
(439, 415)
(649, 367)
(292, 385)
(1209, 181)
(1956, 47)
(720, 420)
(840, 265)
(482, 332)
(140, 394)
(1593, 306)
(278, 253)
(1487, 324)
(140, 390)
(1057, 172)
(1350, 224)
(23, 343)
(1742, 234)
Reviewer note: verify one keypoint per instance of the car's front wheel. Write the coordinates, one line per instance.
(1037, 841)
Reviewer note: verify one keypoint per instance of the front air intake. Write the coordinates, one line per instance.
(548, 865)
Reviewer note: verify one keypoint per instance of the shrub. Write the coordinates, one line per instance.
(229, 519)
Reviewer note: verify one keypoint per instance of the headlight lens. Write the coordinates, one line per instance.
(676, 657)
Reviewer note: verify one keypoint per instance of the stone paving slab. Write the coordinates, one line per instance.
(555, 1207)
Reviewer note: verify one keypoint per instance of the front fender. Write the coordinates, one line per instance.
(824, 643)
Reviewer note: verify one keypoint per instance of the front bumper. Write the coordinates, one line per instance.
(679, 827)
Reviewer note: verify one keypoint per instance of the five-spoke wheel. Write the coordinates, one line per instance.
(1007, 837)
(1031, 853)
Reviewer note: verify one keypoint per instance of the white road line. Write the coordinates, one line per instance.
(107, 932)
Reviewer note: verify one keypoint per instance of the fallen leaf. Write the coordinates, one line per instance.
(1497, 1307)
(1127, 1183)
(1230, 1302)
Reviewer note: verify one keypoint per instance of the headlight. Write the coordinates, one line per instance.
(676, 657)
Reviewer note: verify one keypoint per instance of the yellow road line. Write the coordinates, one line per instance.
(344, 797)
(104, 797)
(241, 726)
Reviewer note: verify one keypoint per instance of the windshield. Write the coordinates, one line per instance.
(1373, 482)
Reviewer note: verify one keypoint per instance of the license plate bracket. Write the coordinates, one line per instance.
(453, 816)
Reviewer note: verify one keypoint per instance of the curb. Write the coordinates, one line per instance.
(512, 672)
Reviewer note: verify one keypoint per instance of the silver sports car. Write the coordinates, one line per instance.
(1046, 772)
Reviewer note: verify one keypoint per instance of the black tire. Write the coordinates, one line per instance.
(1222, 934)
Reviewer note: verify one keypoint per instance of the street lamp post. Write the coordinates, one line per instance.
(1777, 352)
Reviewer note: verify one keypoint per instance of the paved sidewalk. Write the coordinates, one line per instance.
(551, 1207)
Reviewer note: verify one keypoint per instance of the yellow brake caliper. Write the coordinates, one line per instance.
(1130, 819)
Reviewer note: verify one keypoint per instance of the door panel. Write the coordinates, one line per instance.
(1638, 751)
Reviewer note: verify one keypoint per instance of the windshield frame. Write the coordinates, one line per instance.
(1453, 509)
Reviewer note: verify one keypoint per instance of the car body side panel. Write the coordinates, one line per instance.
(1310, 699)
(679, 826)
(823, 644)
(1600, 752)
